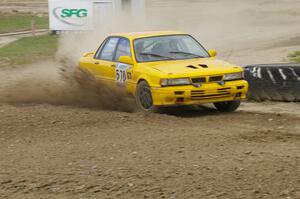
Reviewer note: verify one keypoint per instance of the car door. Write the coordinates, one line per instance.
(123, 72)
(103, 61)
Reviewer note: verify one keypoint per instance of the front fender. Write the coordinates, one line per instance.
(146, 78)
(152, 81)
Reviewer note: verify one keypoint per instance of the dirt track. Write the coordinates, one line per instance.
(50, 147)
(68, 152)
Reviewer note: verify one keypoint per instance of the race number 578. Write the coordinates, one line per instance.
(121, 74)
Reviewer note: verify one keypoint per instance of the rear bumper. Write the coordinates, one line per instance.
(207, 93)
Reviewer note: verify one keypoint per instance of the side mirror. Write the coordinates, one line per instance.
(212, 52)
(126, 60)
(88, 54)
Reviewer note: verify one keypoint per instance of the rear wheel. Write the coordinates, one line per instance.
(229, 106)
(144, 98)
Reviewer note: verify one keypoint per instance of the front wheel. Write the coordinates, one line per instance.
(229, 106)
(143, 97)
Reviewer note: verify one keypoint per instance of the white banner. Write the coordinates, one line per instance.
(71, 15)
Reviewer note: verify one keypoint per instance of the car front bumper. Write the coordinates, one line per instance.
(206, 93)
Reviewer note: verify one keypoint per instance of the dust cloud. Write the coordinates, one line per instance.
(244, 32)
(53, 83)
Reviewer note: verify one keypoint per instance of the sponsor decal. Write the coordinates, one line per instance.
(71, 16)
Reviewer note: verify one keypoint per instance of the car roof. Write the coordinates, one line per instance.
(136, 35)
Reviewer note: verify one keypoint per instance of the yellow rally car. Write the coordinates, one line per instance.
(166, 68)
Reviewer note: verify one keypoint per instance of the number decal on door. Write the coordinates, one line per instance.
(121, 74)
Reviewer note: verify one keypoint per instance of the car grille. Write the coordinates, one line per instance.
(204, 79)
(207, 94)
(215, 78)
(199, 80)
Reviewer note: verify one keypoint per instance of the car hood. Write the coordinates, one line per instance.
(194, 67)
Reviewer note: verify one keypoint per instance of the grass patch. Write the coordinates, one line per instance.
(21, 22)
(29, 49)
(294, 56)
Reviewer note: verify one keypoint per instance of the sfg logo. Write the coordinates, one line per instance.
(71, 16)
(73, 12)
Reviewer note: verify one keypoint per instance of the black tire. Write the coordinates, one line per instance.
(229, 106)
(143, 97)
(275, 82)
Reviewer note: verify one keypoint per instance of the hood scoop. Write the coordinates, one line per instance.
(203, 65)
(196, 67)
(193, 67)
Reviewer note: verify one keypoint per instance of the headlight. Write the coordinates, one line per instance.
(175, 82)
(233, 76)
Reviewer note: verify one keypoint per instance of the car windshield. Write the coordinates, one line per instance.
(172, 47)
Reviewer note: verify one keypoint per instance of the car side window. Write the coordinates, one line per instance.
(98, 53)
(108, 50)
(123, 49)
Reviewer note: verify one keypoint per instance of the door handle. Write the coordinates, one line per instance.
(96, 62)
(113, 65)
